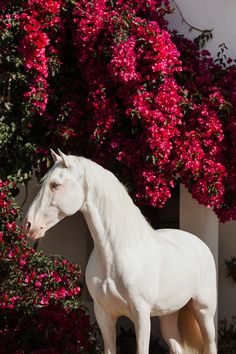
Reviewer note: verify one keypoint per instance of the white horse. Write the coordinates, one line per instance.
(133, 270)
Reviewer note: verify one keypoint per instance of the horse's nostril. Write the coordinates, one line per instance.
(41, 228)
(28, 225)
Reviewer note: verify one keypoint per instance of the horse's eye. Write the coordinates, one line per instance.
(54, 185)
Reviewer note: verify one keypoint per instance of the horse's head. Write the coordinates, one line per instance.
(61, 194)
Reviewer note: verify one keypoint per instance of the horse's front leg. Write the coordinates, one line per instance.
(107, 324)
(142, 323)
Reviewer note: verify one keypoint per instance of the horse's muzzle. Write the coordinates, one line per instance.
(33, 232)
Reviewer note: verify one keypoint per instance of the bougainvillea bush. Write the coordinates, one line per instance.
(106, 79)
(40, 305)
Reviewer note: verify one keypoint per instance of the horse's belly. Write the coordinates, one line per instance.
(169, 294)
(172, 302)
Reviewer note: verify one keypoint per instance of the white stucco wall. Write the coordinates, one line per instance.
(227, 287)
(200, 221)
(219, 15)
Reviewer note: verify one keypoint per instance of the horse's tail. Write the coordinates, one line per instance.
(190, 333)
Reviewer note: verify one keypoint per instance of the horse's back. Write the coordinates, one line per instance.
(182, 240)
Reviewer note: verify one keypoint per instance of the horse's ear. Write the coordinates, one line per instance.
(63, 157)
(55, 156)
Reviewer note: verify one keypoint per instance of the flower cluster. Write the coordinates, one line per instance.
(204, 151)
(109, 81)
(38, 22)
(47, 330)
(132, 105)
(40, 306)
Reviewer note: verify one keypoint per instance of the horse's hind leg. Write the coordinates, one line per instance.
(170, 332)
(107, 325)
(205, 317)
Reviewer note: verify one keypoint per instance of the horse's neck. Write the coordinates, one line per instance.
(114, 221)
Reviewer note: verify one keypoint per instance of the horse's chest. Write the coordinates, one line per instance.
(108, 290)
(110, 294)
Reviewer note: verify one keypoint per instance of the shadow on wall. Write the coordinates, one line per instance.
(126, 341)
(166, 217)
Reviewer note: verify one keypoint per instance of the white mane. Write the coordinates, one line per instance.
(112, 199)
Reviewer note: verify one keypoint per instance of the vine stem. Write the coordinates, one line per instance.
(187, 23)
